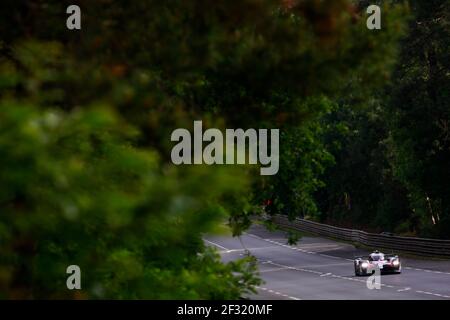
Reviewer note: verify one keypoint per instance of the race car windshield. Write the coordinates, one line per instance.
(376, 258)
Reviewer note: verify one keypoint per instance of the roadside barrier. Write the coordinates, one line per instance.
(417, 246)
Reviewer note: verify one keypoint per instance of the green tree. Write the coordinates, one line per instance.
(392, 155)
(420, 116)
(85, 123)
(361, 190)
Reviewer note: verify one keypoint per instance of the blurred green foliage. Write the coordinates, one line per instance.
(85, 123)
(77, 192)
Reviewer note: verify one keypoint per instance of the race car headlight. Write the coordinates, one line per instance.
(364, 265)
(395, 262)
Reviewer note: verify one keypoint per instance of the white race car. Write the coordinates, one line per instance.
(386, 263)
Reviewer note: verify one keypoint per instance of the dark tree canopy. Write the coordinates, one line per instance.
(86, 118)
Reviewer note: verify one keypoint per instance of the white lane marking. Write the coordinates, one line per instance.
(341, 277)
(292, 247)
(324, 265)
(333, 257)
(272, 270)
(404, 289)
(216, 244)
(278, 293)
(318, 246)
(427, 270)
(442, 296)
(433, 294)
(243, 250)
(326, 255)
(321, 274)
(329, 256)
(317, 272)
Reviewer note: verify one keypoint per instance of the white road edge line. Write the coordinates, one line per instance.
(215, 244)
(333, 275)
(279, 293)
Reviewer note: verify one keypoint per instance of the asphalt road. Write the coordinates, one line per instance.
(318, 268)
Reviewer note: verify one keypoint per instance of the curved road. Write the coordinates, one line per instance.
(318, 268)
